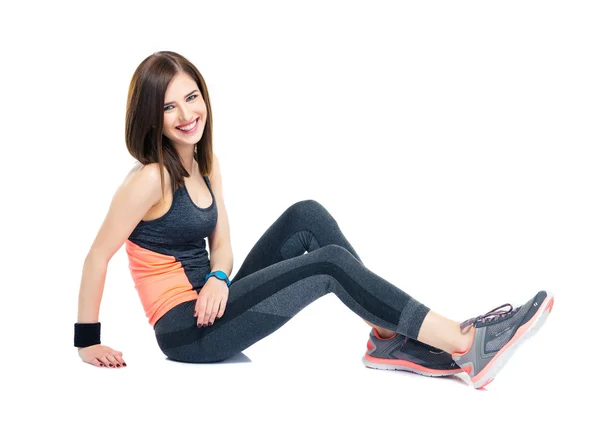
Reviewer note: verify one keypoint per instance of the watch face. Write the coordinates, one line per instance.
(221, 274)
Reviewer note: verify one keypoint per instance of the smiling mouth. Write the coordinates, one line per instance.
(189, 129)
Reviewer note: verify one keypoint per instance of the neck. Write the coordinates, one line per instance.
(189, 166)
(187, 160)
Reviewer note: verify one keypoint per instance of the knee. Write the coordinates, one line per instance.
(305, 204)
(309, 208)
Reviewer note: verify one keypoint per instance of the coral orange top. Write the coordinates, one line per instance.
(167, 256)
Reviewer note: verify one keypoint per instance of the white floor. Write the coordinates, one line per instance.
(300, 372)
(456, 144)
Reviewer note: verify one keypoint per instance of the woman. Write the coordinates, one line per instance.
(170, 202)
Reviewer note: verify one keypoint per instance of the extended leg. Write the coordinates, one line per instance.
(263, 301)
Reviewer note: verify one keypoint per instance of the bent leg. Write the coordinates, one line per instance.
(304, 227)
(263, 301)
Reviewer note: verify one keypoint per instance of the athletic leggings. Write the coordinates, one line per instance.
(278, 279)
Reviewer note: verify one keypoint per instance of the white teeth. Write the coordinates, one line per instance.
(188, 127)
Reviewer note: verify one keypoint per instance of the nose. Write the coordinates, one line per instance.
(185, 116)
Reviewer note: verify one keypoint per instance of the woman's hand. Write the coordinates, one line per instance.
(211, 302)
(100, 355)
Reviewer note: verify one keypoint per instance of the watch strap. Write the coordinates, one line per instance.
(219, 274)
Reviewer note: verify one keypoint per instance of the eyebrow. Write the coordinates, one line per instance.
(186, 95)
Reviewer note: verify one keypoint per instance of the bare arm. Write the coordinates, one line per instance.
(219, 241)
(91, 288)
(132, 200)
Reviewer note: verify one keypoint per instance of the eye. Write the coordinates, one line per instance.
(193, 95)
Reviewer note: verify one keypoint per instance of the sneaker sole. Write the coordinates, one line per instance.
(524, 332)
(404, 365)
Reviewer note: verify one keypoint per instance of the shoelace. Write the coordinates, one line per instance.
(492, 315)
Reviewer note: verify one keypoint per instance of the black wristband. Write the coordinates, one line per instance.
(87, 334)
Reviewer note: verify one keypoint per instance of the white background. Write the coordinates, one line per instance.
(456, 144)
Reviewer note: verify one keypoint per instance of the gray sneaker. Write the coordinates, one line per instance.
(402, 353)
(497, 335)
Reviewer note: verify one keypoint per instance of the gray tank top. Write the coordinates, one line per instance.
(180, 233)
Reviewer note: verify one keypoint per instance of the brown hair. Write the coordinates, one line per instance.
(145, 112)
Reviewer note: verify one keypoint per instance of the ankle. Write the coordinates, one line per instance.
(444, 334)
(384, 334)
(464, 340)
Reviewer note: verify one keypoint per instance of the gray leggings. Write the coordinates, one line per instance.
(277, 280)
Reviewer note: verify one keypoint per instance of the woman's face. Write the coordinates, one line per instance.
(184, 108)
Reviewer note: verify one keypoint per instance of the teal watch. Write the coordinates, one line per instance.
(220, 275)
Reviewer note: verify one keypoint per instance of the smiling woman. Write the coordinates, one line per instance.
(197, 313)
(167, 93)
(191, 105)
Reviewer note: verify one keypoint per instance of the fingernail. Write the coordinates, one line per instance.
(118, 366)
(124, 364)
(210, 323)
(101, 364)
(199, 325)
(110, 364)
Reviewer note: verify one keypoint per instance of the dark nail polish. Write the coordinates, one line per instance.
(124, 364)
(118, 366)
(210, 323)
(199, 325)
(110, 364)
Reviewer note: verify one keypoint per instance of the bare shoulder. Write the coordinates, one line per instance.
(139, 193)
(147, 176)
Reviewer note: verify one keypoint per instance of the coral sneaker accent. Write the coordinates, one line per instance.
(498, 334)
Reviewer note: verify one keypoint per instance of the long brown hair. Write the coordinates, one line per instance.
(145, 112)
